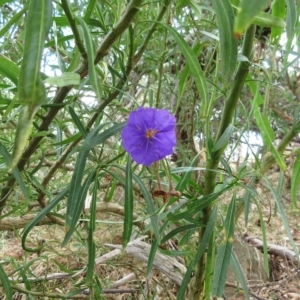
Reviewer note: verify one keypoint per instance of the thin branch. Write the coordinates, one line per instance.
(12, 223)
(77, 38)
(61, 94)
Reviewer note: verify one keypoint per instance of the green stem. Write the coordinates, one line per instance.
(214, 158)
(62, 93)
(160, 71)
(143, 47)
(77, 38)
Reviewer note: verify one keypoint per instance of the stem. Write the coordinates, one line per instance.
(77, 38)
(160, 71)
(62, 93)
(198, 286)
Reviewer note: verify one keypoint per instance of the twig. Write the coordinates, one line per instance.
(165, 264)
(229, 284)
(12, 223)
(271, 248)
(66, 296)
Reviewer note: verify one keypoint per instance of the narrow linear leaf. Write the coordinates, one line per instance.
(63, 21)
(201, 250)
(178, 230)
(193, 63)
(13, 20)
(31, 88)
(224, 252)
(128, 209)
(91, 243)
(102, 137)
(224, 138)
(228, 43)
(262, 18)
(5, 284)
(266, 20)
(239, 274)
(149, 205)
(148, 199)
(264, 125)
(39, 217)
(291, 18)
(185, 75)
(77, 122)
(67, 78)
(180, 187)
(95, 82)
(16, 172)
(75, 205)
(9, 69)
(246, 14)
(77, 191)
(283, 217)
(279, 11)
(295, 181)
(154, 248)
(24, 127)
(74, 199)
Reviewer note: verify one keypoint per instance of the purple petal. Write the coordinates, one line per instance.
(148, 150)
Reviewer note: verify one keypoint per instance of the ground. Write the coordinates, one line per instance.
(120, 270)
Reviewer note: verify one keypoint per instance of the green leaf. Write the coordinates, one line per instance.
(200, 251)
(63, 21)
(228, 43)
(77, 122)
(91, 228)
(224, 252)
(16, 172)
(279, 11)
(185, 75)
(266, 20)
(2, 2)
(178, 230)
(67, 78)
(95, 82)
(193, 63)
(9, 69)
(5, 284)
(291, 18)
(283, 217)
(102, 137)
(224, 138)
(62, 267)
(12, 21)
(24, 127)
(39, 217)
(295, 181)
(264, 126)
(263, 19)
(180, 187)
(246, 14)
(128, 207)
(31, 88)
(149, 205)
(77, 196)
(239, 274)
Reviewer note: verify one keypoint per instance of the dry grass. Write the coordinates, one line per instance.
(73, 258)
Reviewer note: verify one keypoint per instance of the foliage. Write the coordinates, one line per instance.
(226, 69)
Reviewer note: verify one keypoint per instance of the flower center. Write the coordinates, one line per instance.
(150, 133)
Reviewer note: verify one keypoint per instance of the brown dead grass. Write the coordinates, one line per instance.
(55, 259)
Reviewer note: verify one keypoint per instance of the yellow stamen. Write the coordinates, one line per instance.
(150, 133)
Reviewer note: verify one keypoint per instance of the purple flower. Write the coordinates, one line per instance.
(149, 135)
